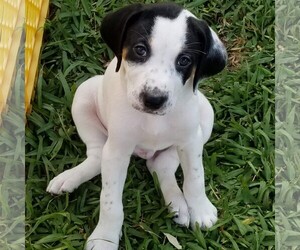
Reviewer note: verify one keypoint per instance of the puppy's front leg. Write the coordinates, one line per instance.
(201, 210)
(115, 160)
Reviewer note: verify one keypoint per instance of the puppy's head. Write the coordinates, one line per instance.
(163, 51)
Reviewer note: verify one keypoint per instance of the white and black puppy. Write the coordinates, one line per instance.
(147, 104)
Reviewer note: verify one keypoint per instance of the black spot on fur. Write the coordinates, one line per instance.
(132, 24)
(211, 60)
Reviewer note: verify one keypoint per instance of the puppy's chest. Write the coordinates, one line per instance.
(150, 143)
(157, 135)
(155, 129)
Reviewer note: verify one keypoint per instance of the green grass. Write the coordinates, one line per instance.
(12, 157)
(239, 158)
(287, 126)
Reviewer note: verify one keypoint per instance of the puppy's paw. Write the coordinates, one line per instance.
(180, 209)
(205, 214)
(67, 181)
(97, 244)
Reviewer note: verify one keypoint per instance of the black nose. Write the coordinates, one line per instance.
(154, 101)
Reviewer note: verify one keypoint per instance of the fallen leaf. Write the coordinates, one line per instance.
(173, 241)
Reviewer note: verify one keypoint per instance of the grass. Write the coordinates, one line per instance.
(287, 126)
(12, 157)
(239, 158)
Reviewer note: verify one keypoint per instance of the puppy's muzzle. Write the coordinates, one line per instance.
(153, 101)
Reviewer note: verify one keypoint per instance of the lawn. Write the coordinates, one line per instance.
(238, 159)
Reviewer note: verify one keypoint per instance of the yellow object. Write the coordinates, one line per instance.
(36, 12)
(11, 26)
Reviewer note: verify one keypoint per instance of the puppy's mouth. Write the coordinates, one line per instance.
(162, 111)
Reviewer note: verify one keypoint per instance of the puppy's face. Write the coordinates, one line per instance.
(162, 51)
(158, 59)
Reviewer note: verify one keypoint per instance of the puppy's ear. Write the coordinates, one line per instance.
(113, 28)
(214, 58)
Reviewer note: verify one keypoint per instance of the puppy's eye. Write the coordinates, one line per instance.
(184, 61)
(140, 50)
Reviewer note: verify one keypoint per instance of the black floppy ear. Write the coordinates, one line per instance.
(113, 28)
(215, 56)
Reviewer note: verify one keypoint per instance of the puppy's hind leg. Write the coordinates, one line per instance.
(165, 165)
(90, 130)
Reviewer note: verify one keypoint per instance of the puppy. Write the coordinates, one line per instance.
(147, 104)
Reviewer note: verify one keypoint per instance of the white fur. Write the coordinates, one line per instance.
(105, 111)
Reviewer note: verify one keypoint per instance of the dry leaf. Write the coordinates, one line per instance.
(173, 241)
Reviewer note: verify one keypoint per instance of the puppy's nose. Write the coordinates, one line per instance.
(154, 101)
